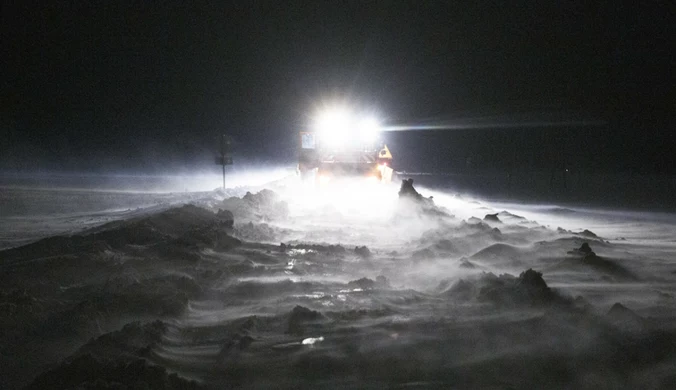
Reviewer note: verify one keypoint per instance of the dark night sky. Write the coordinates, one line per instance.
(141, 87)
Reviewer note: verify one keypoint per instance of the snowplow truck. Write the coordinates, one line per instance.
(321, 160)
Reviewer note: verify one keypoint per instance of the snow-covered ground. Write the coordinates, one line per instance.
(343, 286)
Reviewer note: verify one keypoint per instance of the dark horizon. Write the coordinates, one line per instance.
(117, 88)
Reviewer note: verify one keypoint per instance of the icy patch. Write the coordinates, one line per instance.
(299, 251)
(314, 295)
(351, 290)
(312, 340)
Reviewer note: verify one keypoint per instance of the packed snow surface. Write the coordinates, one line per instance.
(352, 285)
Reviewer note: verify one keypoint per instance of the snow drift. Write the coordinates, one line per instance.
(287, 288)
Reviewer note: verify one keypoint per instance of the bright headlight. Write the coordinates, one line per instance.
(333, 120)
(333, 125)
(337, 126)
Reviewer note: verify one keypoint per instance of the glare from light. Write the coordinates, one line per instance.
(363, 198)
(323, 179)
(368, 129)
